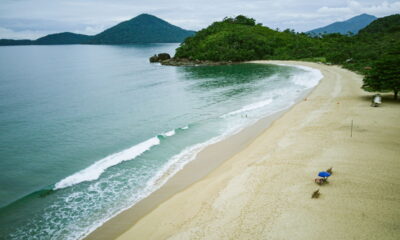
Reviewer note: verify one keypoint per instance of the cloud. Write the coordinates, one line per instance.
(34, 28)
(93, 16)
(27, 34)
(354, 8)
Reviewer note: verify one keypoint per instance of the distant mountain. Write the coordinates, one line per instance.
(144, 28)
(63, 38)
(352, 25)
(11, 42)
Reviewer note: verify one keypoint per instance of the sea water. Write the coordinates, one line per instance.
(88, 131)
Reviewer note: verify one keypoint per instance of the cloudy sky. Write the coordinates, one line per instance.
(34, 18)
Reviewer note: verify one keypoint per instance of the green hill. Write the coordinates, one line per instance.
(381, 37)
(389, 24)
(63, 38)
(241, 39)
(144, 28)
(352, 25)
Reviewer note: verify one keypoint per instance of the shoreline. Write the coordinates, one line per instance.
(264, 190)
(207, 160)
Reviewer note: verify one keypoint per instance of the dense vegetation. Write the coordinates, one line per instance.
(241, 39)
(384, 75)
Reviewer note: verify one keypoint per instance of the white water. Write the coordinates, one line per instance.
(94, 171)
(250, 107)
(170, 133)
(308, 79)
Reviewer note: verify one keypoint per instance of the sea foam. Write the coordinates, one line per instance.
(94, 171)
(170, 133)
(167, 171)
(250, 107)
(310, 78)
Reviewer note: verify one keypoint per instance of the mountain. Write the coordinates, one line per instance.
(352, 25)
(389, 24)
(144, 28)
(63, 38)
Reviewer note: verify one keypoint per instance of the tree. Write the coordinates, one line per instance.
(384, 75)
(245, 20)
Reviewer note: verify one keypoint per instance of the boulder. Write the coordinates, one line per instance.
(154, 59)
(163, 56)
(160, 57)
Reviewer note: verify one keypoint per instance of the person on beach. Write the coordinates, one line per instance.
(376, 100)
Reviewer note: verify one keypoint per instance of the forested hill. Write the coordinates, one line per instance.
(144, 28)
(352, 25)
(241, 39)
(389, 24)
(62, 38)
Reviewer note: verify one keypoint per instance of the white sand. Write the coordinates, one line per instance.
(264, 192)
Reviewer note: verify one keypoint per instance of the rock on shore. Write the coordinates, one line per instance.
(160, 57)
(165, 59)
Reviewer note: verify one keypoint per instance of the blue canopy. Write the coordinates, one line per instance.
(324, 174)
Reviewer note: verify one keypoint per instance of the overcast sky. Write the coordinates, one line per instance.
(35, 18)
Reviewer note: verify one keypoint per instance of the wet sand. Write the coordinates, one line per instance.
(264, 191)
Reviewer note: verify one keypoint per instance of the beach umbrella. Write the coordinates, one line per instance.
(324, 174)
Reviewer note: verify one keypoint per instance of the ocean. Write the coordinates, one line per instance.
(87, 131)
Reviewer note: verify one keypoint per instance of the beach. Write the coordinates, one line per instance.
(260, 187)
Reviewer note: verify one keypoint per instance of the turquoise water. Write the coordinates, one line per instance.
(87, 131)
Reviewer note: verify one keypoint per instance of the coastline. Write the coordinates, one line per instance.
(263, 191)
(205, 162)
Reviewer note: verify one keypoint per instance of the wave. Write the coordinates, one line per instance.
(250, 107)
(178, 161)
(173, 132)
(309, 79)
(95, 170)
(169, 133)
(163, 174)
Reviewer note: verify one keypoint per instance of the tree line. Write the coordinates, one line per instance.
(374, 51)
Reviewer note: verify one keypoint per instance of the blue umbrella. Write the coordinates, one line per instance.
(324, 174)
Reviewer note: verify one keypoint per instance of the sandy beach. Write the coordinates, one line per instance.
(264, 191)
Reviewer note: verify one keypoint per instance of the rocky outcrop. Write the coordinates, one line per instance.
(165, 59)
(188, 62)
(160, 57)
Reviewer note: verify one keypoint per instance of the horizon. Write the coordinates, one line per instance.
(28, 19)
